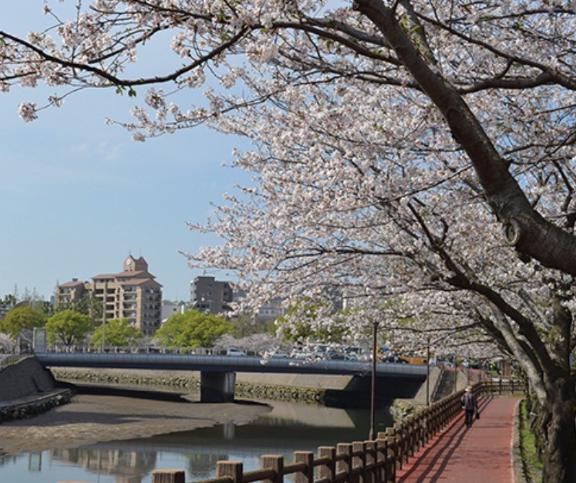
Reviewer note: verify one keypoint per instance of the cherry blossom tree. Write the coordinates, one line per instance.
(412, 151)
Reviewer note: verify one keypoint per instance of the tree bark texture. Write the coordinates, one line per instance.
(559, 430)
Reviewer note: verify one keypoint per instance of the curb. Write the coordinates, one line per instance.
(518, 466)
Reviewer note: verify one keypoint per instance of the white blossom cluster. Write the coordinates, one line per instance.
(363, 181)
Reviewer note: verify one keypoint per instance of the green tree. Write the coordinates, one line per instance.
(22, 318)
(193, 329)
(115, 333)
(87, 305)
(68, 327)
(245, 325)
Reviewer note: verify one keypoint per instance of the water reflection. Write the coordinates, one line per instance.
(126, 466)
(8, 459)
(286, 428)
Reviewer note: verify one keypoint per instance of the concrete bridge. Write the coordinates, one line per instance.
(218, 373)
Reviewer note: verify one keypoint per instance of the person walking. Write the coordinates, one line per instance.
(470, 406)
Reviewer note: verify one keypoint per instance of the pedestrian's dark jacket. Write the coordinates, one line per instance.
(468, 401)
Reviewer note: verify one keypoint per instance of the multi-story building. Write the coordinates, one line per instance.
(265, 313)
(70, 292)
(170, 308)
(269, 311)
(132, 294)
(210, 295)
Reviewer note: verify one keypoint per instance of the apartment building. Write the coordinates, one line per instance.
(210, 295)
(70, 292)
(132, 294)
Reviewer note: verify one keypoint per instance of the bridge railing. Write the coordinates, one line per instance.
(133, 350)
(373, 461)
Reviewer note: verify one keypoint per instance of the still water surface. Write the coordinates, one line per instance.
(287, 428)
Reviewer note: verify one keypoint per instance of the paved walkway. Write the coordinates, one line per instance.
(481, 454)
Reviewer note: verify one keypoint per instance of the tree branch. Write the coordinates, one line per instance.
(525, 229)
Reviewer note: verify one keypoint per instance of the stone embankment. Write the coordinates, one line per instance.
(246, 387)
(311, 389)
(27, 389)
(34, 405)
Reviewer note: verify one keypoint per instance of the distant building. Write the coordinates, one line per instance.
(210, 295)
(269, 311)
(70, 292)
(132, 294)
(170, 308)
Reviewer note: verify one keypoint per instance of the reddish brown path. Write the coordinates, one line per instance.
(481, 454)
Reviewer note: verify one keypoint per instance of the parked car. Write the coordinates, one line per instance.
(299, 354)
(276, 354)
(234, 351)
(353, 353)
(336, 356)
(279, 355)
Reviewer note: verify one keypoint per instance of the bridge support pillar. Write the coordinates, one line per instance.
(217, 386)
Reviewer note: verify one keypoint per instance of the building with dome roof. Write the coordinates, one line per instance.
(131, 294)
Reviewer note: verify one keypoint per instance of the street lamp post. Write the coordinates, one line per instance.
(428, 371)
(372, 435)
(455, 373)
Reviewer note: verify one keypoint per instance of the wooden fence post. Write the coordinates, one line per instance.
(168, 476)
(345, 465)
(411, 436)
(381, 458)
(328, 470)
(400, 448)
(306, 476)
(391, 457)
(276, 463)
(230, 469)
(370, 461)
(359, 460)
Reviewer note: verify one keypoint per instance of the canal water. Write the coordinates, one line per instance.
(286, 428)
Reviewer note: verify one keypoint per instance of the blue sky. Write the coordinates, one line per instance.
(77, 196)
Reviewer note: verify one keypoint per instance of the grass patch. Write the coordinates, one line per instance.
(532, 464)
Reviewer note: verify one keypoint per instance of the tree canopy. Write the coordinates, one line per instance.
(421, 151)
(68, 327)
(193, 329)
(21, 318)
(86, 304)
(115, 333)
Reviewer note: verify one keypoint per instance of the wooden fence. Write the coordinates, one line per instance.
(356, 462)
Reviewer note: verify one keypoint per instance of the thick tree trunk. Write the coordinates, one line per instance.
(559, 430)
